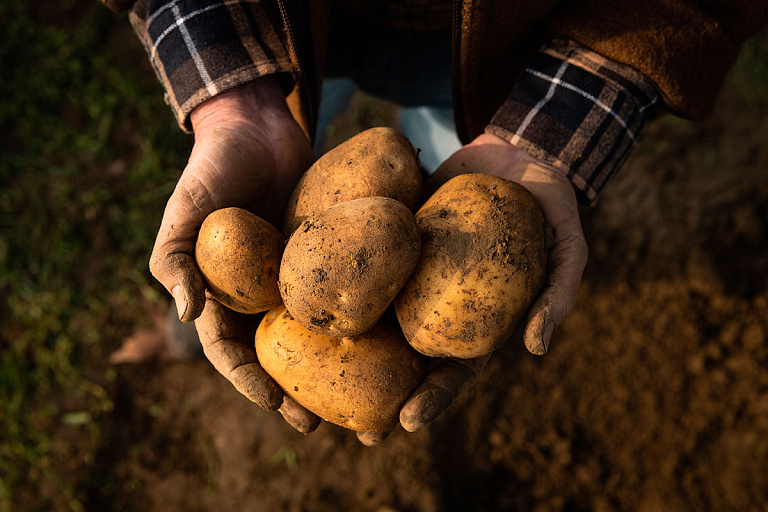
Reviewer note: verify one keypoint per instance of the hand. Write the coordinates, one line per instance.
(248, 152)
(449, 378)
(446, 380)
(553, 191)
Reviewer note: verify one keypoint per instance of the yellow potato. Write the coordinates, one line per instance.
(239, 255)
(345, 265)
(377, 162)
(483, 262)
(359, 383)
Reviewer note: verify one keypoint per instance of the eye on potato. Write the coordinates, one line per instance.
(377, 162)
(239, 255)
(343, 266)
(360, 382)
(483, 261)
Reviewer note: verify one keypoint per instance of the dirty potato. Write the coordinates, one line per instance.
(344, 266)
(377, 162)
(483, 262)
(239, 254)
(358, 382)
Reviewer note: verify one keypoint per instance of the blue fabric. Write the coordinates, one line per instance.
(415, 75)
(336, 95)
(433, 131)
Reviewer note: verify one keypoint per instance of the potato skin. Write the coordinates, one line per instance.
(360, 382)
(483, 262)
(343, 267)
(239, 255)
(377, 162)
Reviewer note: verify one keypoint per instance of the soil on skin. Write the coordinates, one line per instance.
(653, 396)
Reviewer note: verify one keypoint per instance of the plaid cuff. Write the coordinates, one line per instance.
(201, 48)
(578, 112)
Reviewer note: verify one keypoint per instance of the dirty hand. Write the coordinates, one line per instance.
(249, 152)
(449, 378)
(553, 191)
(446, 380)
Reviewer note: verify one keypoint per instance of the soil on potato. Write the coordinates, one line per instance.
(654, 395)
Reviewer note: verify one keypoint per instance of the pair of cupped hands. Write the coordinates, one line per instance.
(249, 152)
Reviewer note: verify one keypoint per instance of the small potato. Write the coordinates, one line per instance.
(360, 383)
(483, 262)
(345, 265)
(377, 162)
(239, 254)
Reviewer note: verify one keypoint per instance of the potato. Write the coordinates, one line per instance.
(345, 265)
(239, 254)
(483, 262)
(358, 382)
(377, 162)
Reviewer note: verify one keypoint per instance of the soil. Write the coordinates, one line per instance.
(653, 396)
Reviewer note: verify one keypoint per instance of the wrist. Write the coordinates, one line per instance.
(247, 103)
(514, 156)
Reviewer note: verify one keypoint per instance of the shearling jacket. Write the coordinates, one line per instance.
(571, 82)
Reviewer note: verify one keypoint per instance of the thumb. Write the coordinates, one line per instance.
(445, 382)
(567, 260)
(172, 261)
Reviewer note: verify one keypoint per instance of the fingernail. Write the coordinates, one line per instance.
(371, 438)
(181, 304)
(303, 423)
(265, 394)
(274, 396)
(430, 405)
(547, 336)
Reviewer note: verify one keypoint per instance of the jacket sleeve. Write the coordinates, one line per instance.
(200, 48)
(581, 103)
(686, 47)
(578, 112)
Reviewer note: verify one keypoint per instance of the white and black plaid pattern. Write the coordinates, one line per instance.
(200, 48)
(571, 108)
(578, 112)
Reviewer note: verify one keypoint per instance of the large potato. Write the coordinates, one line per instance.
(360, 383)
(482, 263)
(345, 265)
(239, 255)
(377, 162)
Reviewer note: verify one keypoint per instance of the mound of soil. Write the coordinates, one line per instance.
(654, 395)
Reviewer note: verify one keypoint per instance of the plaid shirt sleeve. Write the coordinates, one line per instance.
(578, 112)
(200, 48)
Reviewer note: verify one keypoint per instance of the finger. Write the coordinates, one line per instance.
(225, 336)
(372, 438)
(567, 260)
(172, 261)
(444, 383)
(297, 416)
(143, 345)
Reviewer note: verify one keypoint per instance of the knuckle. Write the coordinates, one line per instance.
(571, 248)
(560, 303)
(156, 264)
(195, 195)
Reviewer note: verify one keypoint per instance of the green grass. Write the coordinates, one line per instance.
(749, 76)
(89, 155)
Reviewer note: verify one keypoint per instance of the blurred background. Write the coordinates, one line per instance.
(654, 395)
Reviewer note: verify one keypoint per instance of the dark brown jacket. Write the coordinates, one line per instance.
(570, 83)
(685, 47)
